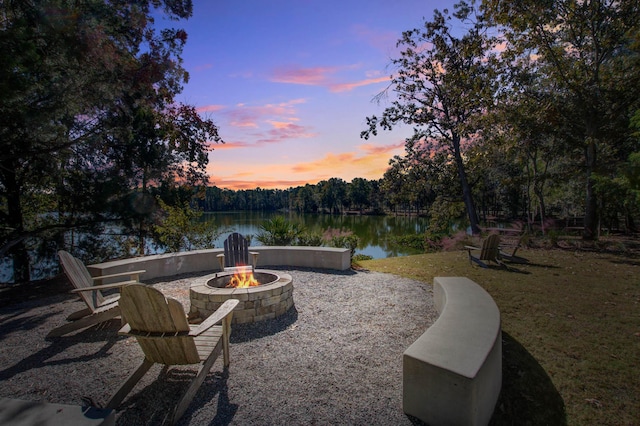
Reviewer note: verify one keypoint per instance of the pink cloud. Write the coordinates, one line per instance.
(210, 108)
(322, 76)
(203, 67)
(382, 40)
(381, 149)
(243, 119)
(285, 131)
(317, 76)
(282, 108)
(243, 115)
(346, 87)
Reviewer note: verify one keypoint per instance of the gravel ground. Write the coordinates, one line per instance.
(335, 358)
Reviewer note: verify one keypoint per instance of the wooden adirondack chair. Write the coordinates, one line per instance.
(160, 325)
(99, 308)
(236, 254)
(489, 252)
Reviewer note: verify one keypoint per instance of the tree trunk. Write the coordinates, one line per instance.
(591, 202)
(15, 221)
(466, 189)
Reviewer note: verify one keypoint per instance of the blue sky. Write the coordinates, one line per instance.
(290, 84)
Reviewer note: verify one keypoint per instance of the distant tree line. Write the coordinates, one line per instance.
(333, 196)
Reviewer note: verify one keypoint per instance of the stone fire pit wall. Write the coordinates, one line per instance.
(258, 303)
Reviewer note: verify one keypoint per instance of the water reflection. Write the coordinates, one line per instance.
(374, 232)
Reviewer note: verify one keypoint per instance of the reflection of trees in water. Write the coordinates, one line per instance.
(372, 231)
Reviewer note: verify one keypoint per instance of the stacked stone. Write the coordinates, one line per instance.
(258, 303)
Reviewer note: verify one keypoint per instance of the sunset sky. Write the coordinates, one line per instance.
(291, 82)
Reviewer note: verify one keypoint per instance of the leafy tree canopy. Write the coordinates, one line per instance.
(87, 115)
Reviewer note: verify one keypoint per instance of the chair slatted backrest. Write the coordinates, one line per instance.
(159, 324)
(236, 250)
(80, 277)
(490, 248)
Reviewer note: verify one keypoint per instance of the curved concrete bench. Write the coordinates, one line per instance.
(170, 264)
(452, 374)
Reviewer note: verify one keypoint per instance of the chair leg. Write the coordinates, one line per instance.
(191, 391)
(131, 381)
(226, 332)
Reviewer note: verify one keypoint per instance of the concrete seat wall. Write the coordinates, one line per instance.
(170, 264)
(452, 374)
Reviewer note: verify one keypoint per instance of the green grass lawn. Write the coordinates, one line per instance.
(571, 331)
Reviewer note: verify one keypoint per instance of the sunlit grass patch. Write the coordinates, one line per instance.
(571, 321)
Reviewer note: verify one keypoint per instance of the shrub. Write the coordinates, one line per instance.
(278, 231)
(179, 229)
(341, 239)
(310, 239)
(360, 257)
(415, 241)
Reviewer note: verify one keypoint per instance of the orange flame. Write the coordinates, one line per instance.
(243, 280)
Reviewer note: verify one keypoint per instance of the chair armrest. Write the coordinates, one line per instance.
(472, 248)
(119, 274)
(253, 253)
(104, 286)
(216, 317)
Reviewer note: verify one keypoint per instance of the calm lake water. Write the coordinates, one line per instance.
(373, 231)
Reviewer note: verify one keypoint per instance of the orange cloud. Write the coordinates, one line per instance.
(229, 145)
(329, 162)
(369, 162)
(282, 124)
(369, 165)
(235, 184)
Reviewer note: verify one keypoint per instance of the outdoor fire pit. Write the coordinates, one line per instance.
(263, 294)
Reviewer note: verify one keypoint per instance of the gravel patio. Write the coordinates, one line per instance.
(335, 358)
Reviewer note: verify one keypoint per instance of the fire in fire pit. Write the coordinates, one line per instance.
(242, 279)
